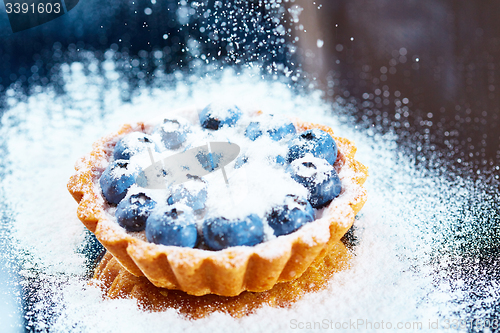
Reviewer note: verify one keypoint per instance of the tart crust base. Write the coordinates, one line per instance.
(231, 271)
(116, 282)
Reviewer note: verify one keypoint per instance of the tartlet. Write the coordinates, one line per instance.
(227, 272)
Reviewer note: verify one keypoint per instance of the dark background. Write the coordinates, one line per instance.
(137, 28)
(427, 70)
(443, 56)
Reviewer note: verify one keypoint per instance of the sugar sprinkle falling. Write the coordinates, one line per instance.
(406, 239)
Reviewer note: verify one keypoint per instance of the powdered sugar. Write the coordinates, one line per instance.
(405, 234)
(255, 188)
(221, 109)
(318, 169)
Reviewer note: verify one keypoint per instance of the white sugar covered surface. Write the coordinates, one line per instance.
(254, 188)
(402, 251)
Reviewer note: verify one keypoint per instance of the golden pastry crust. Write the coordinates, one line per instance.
(227, 272)
(116, 282)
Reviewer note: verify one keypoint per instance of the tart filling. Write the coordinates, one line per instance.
(219, 238)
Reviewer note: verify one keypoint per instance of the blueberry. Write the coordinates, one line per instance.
(314, 141)
(276, 127)
(216, 115)
(293, 214)
(132, 212)
(192, 194)
(208, 161)
(280, 130)
(319, 177)
(220, 233)
(172, 226)
(242, 159)
(173, 133)
(132, 144)
(116, 180)
(278, 159)
(253, 131)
